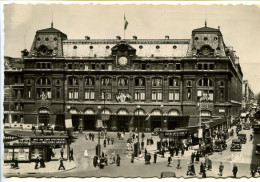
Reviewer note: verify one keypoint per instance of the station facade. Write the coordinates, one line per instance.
(165, 83)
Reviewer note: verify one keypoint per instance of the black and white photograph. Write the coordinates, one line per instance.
(130, 90)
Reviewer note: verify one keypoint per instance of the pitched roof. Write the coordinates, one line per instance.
(206, 29)
(50, 30)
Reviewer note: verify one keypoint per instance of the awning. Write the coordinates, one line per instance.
(213, 122)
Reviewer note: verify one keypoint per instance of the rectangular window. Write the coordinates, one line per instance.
(177, 96)
(69, 66)
(77, 66)
(73, 93)
(143, 66)
(157, 95)
(189, 94)
(103, 67)
(48, 65)
(205, 66)
(174, 95)
(211, 66)
(86, 67)
(171, 96)
(93, 66)
(89, 94)
(221, 96)
(199, 66)
(107, 95)
(29, 92)
(58, 93)
(178, 66)
(140, 95)
(109, 67)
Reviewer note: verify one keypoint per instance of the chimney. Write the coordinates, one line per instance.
(219, 27)
(135, 37)
(87, 37)
(118, 37)
(167, 37)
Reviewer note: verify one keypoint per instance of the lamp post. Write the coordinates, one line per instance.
(99, 126)
(161, 129)
(199, 130)
(138, 143)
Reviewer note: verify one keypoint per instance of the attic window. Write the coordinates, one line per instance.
(205, 38)
(196, 38)
(55, 39)
(38, 38)
(46, 39)
(75, 47)
(215, 38)
(140, 47)
(107, 47)
(174, 47)
(157, 47)
(91, 47)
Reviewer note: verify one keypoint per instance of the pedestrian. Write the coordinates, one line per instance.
(235, 169)
(189, 169)
(192, 157)
(147, 141)
(90, 136)
(112, 141)
(61, 152)
(193, 169)
(204, 175)
(71, 155)
(182, 151)
(169, 161)
(95, 158)
(105, 142)
(118, 160)
(179, 164)
(177, 151)
(206, 160)
(93, 136)
(142, 145)
(253, 173)
(197, 157)
(101, 162)
(155, 157)
(258, 170)
(42, 165)
(132, 157)
(103, 155)
(163, 152)
(52, 131)
(209, 165)
(202, 168)
(221, 168)
(143, 135)
(36, 162)
(61, 164)
(108, 140)
(145, 152)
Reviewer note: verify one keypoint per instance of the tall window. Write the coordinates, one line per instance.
(157, 84)
(140, 89)
(221, 91)
(174, 92)
(43, 88)
(205, 90)
(106, 87)
(89, 88)
(73, 88)
(122, 82)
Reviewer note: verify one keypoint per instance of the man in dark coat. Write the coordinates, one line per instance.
(95, 161)
(61, 152)
(142, 145)
(155, 157)
(192, 157)
(163, 150)
(132, 157)
(42, 165)
(112, 141)
(235, 169)
(145, 152)
(202, 168)
(71, 154)
(118, 158)
(105, 142)
(36, 163)
(61, 164)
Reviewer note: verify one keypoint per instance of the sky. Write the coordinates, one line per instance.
(239, 24)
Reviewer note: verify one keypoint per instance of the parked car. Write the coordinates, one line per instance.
(236, 145)
(242, 137)
(156, 131)
(257, 149)
(220, 145)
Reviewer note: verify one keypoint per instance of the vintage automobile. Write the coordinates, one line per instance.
(246, 126)
(257, 149)
(220, 145)
(242, 137)
(236, 145)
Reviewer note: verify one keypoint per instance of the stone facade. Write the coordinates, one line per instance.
(153, 82)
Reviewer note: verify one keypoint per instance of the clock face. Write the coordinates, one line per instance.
(122, 61)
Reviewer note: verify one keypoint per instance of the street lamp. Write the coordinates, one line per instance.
(161, 129)
(99, 126)
(138, 143)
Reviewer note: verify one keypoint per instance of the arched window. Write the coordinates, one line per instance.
(157, 82)
(174, 82)
(122, 82)
(205, 90)
(140, 82)
(89, 88)
(73, 81)
(89, 81)
(174, 92)
(43, 88)
(106, 81)
(106, 88)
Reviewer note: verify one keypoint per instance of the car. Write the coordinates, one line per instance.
(257, 149)
(242, 137)
(156, 131)
(168, 175)
(220, 145)
(236, 145)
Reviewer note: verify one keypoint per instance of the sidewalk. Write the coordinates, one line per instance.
(28, 168)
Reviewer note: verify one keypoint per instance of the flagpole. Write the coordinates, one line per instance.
(124, 26)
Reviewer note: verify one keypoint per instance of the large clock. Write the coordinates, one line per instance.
(122, 61)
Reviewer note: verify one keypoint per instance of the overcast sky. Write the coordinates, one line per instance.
(239, 24)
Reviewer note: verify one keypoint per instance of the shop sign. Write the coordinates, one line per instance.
(48, 141)
(173, 134)
(9, 137)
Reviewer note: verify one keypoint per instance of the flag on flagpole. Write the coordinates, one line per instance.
(126, 23)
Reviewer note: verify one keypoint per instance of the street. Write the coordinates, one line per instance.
(84, 165)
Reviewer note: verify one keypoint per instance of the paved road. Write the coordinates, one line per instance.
(139, 169)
